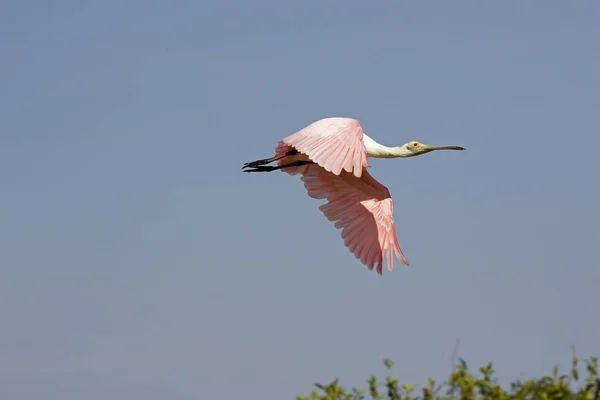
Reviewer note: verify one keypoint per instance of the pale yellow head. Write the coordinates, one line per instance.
(415, 148)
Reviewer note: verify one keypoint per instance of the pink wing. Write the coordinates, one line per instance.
(362, 207)
(332, 143)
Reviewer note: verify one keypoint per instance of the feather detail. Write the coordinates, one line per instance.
(336, 144)
(362, 208)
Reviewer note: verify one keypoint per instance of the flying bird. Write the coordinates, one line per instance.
(331, 157)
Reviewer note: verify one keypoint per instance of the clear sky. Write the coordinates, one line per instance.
(137, 261)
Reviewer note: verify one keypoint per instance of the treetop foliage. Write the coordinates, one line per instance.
(463, 385)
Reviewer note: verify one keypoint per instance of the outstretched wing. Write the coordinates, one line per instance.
(362, 208)
(335, 144)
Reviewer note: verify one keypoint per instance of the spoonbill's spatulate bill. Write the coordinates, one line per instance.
(331, 157)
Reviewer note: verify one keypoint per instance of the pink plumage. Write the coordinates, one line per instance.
(332, 143)
(331, 157)
(335, 169)
(362, 208)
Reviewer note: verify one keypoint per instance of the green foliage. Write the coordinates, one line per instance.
(462, 385)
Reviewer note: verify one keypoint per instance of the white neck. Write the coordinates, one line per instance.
(377, 150)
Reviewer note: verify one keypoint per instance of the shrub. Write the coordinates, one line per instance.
(462, 385)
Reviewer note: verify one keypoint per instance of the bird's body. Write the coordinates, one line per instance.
(331, 157)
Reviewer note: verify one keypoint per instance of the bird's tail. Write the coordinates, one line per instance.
(278, 156)
(281, 152)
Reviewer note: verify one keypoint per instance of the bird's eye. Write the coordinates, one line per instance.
(416, 144)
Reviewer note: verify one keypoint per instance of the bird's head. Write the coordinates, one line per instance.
(417, 148)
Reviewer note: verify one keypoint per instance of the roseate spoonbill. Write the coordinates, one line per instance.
(331, 157)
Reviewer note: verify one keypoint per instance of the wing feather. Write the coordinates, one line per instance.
(362, 208)
(335, 144)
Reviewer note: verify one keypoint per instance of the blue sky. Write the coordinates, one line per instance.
(137, 261)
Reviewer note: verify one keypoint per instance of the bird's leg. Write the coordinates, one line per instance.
(266, 168)
(269, 160)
